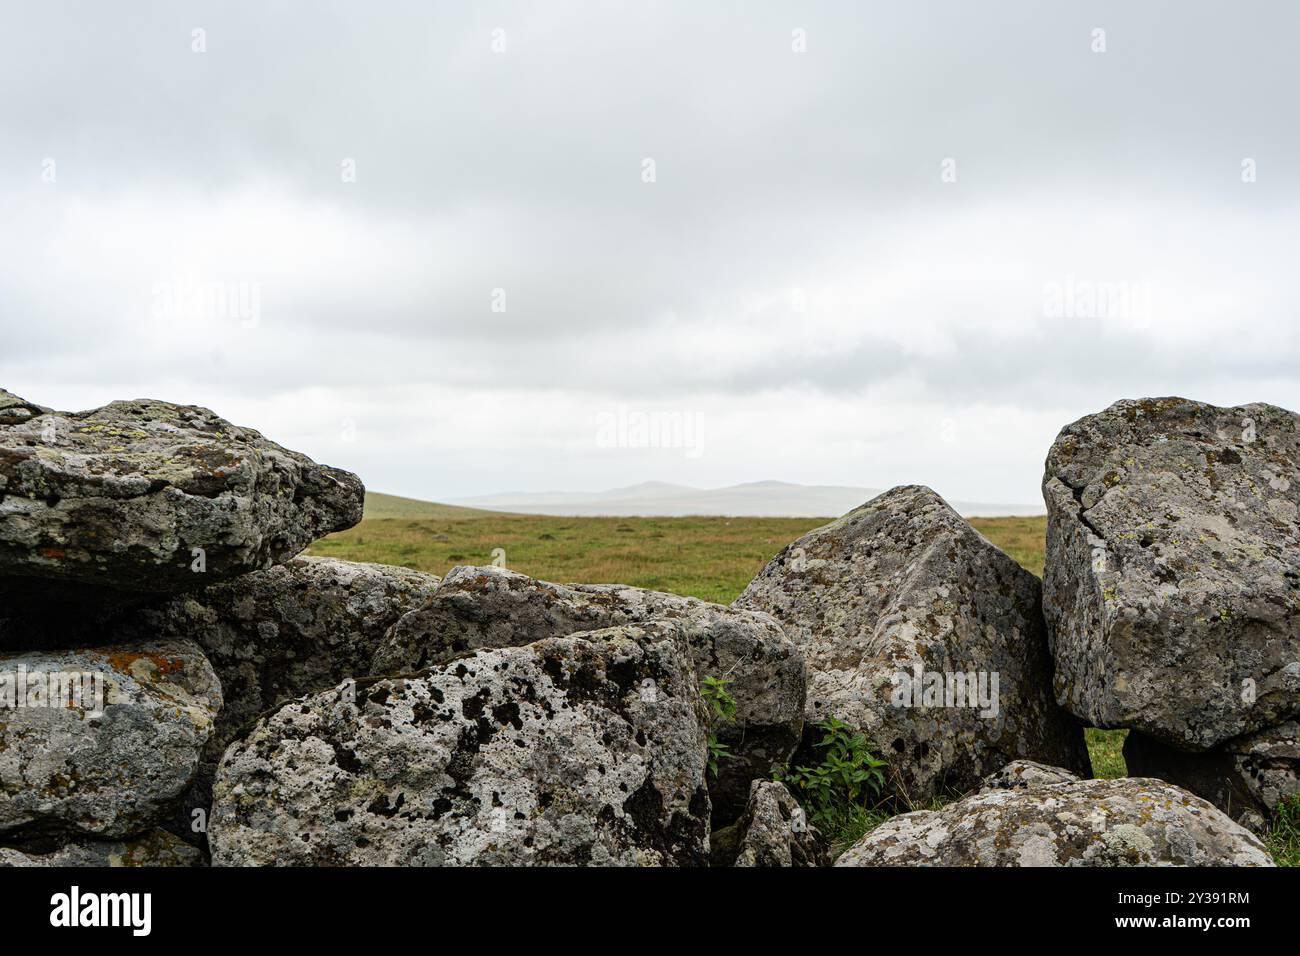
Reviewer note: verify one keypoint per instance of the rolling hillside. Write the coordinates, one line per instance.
(380, 507)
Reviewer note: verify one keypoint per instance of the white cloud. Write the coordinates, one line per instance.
(798, 276)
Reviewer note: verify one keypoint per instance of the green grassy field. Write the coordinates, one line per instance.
(380, 507)
(709, 558)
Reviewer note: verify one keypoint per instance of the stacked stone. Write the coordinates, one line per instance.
(178, 686)
(216, 694)
(133, 540)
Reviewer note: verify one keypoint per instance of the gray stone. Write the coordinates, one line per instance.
(154, 848)
(774, 830)
(1172, 583)
(14, 410)
(490, 607)
(1127, 822)
(67, 766)
(101, 505)
(589, 749)
(1023, 774)
(1246, 777)
(275, 635)
(904, 586)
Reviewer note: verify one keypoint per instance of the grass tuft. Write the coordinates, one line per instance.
(1283, 837)
(1106, 749)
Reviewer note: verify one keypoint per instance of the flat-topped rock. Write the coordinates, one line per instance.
(921, 634)
(1172, 581)
(146, 497)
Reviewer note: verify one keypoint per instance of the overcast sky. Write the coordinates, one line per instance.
(446, 246)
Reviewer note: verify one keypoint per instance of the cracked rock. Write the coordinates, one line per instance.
(1172, 582)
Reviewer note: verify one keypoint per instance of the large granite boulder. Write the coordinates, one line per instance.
(1172, 583)
(274, 635)
(1246, 777)
(491, 607)
(1126, 822)
(589, 749)
(101, 741)
(143, 498)
(920, 633)
(155, 848)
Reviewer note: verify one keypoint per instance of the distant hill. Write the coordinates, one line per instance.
(759, 499)
(391, 506)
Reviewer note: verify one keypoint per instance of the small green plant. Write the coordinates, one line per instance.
(837, 793)
(1284, 835)
(718, 751)
(722, 706)
(718, 699)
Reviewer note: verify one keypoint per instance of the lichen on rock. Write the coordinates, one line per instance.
(904, 587)
(1126, 822)
(146, 497)
(1172, 580)
(488, 607)
(107, 766)
(578, 750)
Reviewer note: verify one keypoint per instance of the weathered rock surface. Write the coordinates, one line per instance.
(1127, 822)
(490, 607)
(155, 848)
(274, 635)
(15, 411)
(1172, 583)
(68, 767)
(1246, 777)
(100, 504)
(1023, 774)
(904, 586)
(588, 749)
(774, 830)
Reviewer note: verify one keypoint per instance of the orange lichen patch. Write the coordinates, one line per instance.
(154, 664)
(54, 554)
